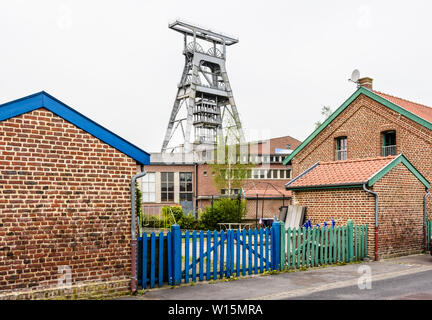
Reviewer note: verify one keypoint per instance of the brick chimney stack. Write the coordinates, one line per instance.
(366, 82)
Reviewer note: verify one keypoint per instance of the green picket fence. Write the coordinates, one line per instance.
(310, 247)
(428, 235)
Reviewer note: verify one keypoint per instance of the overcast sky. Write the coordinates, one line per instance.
(118, 63)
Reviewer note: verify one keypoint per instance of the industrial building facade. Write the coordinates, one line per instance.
(189, 183)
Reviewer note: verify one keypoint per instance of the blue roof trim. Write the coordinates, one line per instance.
(44, 100)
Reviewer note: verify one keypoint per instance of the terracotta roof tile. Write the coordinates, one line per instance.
(420, 110)
(341, 172)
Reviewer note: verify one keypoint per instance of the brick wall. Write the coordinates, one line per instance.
(340, 205)
(64, 201)
(363, 122)
(400, 212)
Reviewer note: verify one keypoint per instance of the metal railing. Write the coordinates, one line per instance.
(389, 150)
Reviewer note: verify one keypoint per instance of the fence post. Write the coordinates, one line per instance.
(282, 246)
(350, 255)
(176, 253)
(275, 246)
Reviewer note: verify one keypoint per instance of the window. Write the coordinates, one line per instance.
(275, 174)
(389, 143)
(185, 186)
(281, 174)
(288, 174)
(230, 192)
(205, 173)
(255, 174)
(341, 148)
(148, 187)
(167, 186)
(269, 174)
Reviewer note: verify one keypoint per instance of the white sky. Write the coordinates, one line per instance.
(118, 63)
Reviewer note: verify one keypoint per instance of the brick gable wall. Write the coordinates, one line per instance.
(400, 212)
(64, 201)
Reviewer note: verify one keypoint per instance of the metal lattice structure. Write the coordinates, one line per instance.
(204, 94)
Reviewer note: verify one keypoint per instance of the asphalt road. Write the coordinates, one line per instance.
(407, 277)
(409, 287)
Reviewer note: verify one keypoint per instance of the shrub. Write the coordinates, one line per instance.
(173, 214)
(152, 221)
(224, 210)
(189, 222)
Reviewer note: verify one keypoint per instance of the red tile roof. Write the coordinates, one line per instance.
(420, 110)
(340, 172)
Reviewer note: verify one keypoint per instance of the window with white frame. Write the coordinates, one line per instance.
(167, 186)
(185, 186)
(148, 187)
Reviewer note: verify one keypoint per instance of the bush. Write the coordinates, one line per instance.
(173, 214)
(224, 210)
(189, 222)
(152, 222)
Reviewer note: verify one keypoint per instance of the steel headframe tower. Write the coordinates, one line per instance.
(205, 93)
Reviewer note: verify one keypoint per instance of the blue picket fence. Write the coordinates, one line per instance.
(178, 257)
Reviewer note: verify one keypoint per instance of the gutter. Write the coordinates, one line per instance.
(425, 217)
(134, 229)
(376, 218)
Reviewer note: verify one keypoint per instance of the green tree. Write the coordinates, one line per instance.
(228, 171)
(326, 111)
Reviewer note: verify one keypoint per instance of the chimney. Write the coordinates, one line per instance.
(365, 82)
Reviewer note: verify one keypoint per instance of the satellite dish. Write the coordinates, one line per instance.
(355, 76)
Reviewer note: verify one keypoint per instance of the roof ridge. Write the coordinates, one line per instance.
(358, 160)
(390, 95)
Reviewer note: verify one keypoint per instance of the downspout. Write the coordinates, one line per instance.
(196, 189)
(425, 216)
(376, 218)
(133, 229)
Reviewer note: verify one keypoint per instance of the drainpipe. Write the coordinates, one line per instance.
(376, 219)
(133, 230)
(196, 189)
(425, 217)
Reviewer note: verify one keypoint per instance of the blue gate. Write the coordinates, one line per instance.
(177, 257)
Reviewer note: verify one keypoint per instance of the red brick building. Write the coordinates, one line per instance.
(371, 124)
(188, 179)
(64, 201)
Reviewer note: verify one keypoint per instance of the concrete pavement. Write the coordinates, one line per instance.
(339, 282)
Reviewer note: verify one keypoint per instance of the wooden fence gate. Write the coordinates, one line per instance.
(313, 246)
(177, 257)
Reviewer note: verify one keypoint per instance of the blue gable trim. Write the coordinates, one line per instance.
(44, 100)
